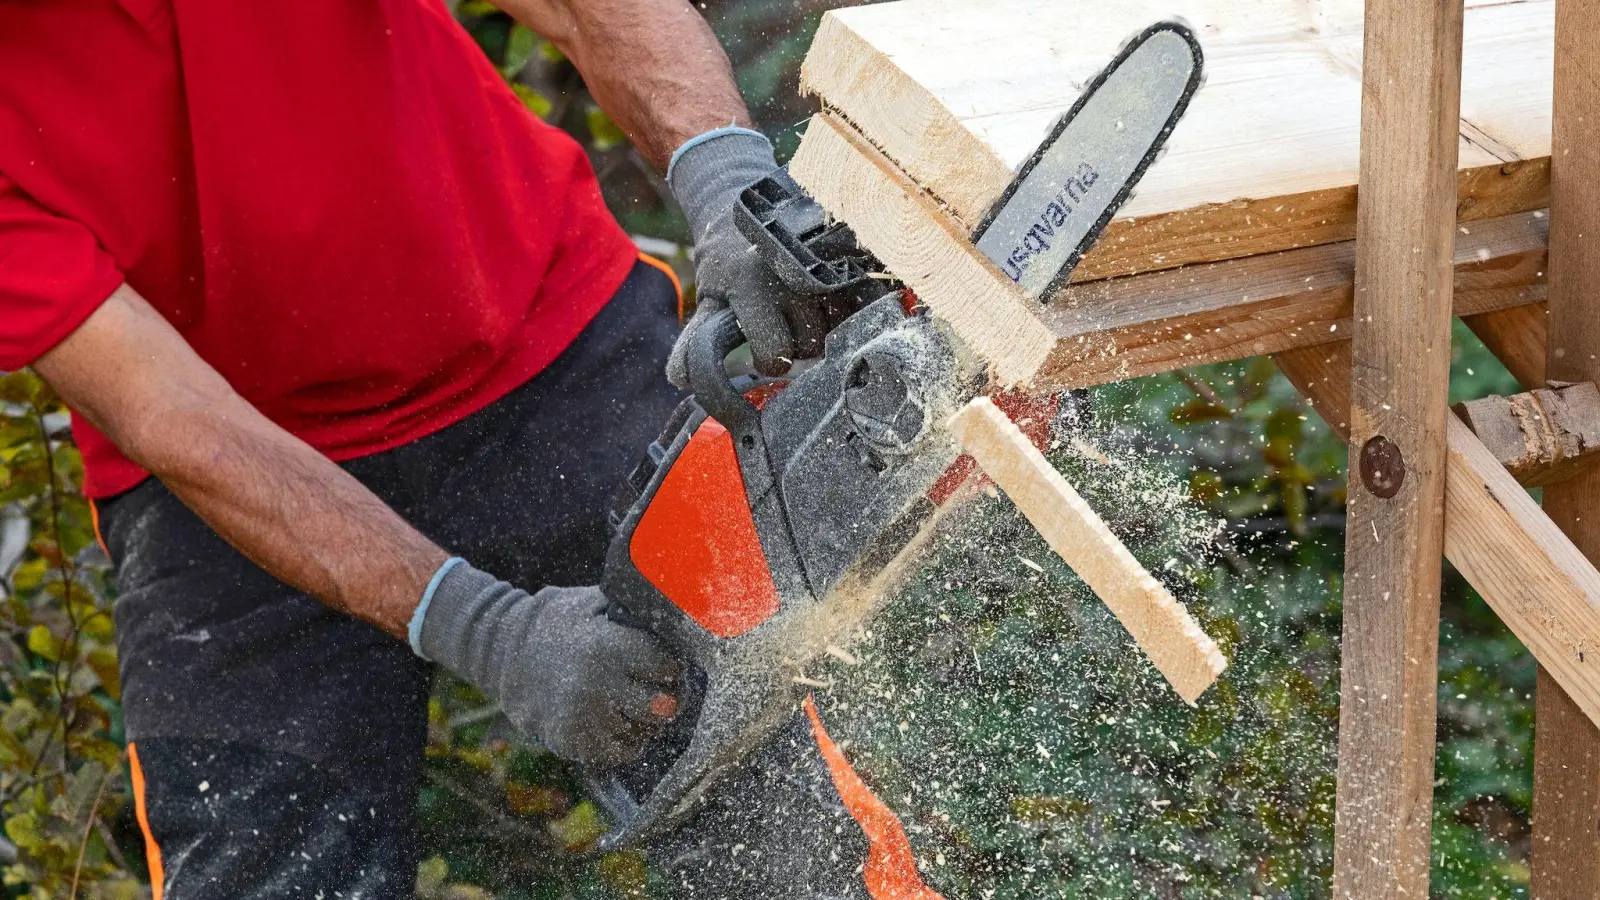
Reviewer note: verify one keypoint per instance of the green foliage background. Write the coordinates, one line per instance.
(997, 706)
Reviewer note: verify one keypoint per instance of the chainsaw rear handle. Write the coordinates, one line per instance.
(717, 397)
(701, 743)
(825, 274)
(810, 254)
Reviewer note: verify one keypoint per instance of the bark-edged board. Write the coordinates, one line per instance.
(1542, 437)
(1517, 336)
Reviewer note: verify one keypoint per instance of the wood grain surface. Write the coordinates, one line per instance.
(1566, 787)
(959, 92)
(1399, 390)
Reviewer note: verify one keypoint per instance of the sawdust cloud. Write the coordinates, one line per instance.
(1031, 749)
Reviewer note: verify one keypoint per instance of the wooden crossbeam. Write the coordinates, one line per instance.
(1518, 336)
(1145, 324)
(1539, 585)
(1543, 436)
(1566, 758)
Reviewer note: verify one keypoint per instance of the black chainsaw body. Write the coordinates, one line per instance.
(751, 533)
(761, 497)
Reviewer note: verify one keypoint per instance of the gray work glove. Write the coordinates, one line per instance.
(585, 687)
(706, 177)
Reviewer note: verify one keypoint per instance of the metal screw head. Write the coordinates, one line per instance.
(1383, 467)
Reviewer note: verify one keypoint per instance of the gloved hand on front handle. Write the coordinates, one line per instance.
(706, 176)
(585, 687)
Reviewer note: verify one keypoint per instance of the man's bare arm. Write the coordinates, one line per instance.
(280, 502)
(653, 65)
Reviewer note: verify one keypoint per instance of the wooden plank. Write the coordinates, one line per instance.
(1162, 627)
(1541, 586)
(1405, 236)
(1322, 374)
(1129, 327)
(1126, 327)
(1566, 788)
(1345, 15)
(958, 92)
(933, 256)
(1528, 572)
(1566, 795)
(1542, 437)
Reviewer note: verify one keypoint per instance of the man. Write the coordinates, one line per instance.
(331, 308)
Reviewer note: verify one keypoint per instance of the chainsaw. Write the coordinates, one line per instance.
(753, 535)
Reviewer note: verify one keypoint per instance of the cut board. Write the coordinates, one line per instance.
(958, 92)
(1137, 325)
(1542, 437)
(1159, 624)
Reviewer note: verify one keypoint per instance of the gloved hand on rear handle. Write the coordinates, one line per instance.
(585, 687)
(706, 176)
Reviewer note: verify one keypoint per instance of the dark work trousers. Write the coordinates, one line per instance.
(279, 743)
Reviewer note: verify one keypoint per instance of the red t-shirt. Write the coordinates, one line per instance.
(338, 203)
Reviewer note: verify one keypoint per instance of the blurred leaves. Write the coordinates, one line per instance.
(603, 133)
(537, 103)
(61, 771)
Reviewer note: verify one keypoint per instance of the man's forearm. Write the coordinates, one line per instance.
(276, 499)
(299, 516)
(653, 65)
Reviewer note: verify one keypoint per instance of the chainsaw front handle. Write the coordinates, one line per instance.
(709, 347)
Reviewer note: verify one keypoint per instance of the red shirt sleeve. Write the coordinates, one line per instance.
(53, 274)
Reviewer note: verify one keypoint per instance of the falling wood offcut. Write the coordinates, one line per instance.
(1169, 636)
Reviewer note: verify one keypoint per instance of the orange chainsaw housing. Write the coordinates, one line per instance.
(697, 541)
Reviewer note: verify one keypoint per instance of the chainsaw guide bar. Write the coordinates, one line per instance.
(1068, 190)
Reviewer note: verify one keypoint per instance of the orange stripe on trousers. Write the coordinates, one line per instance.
(94, 519)
(152, 851)
(891, 869)
(676, 284)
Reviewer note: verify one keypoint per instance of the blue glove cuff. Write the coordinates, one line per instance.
(709, 171)
(711, 135)
(414, 629)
